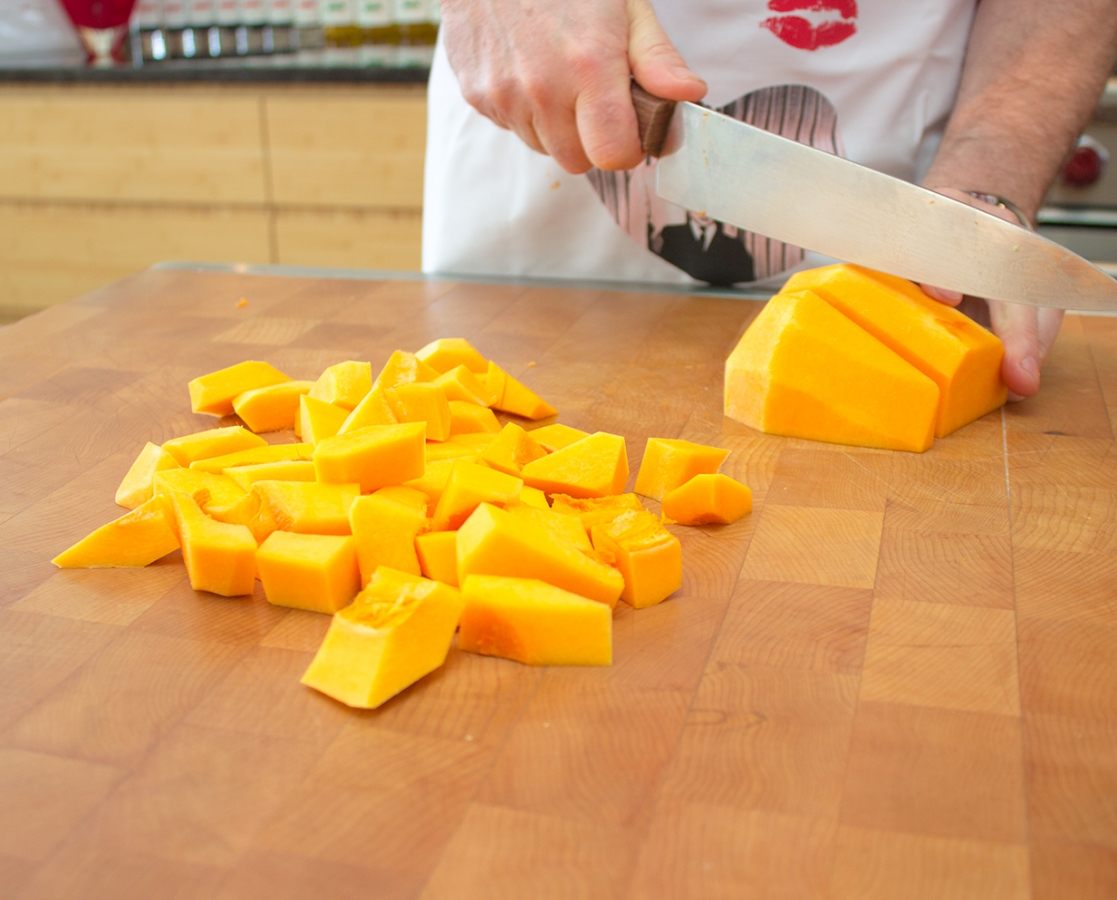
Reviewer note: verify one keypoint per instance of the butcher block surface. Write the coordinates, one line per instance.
(896, 678)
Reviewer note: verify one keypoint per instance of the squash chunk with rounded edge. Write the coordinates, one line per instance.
(463, 385)
(319, 419)
(435, 478)
(448, 353)
(804, 370)
(947, 346)
(596, 466)
(317, 572)
(214, 393)
(495, 542)
(344, 384)
(137, 538)
(220, 558)
(708, 500)
(515, 397)
(372, 410)
(404, 368)
(669, 463)
(438, 555)
(469, 418)
(373, 457)
(469, 486)
(397, 630)
(534, 623)
(512, 449)
(595, 510)
(555, 436)
(384, 532)
(302, 506)
(223, 491)
(262, 454)
(648, 555)
(271, 408)
(216, 442)
(281, 470)
(421, 402)
(138, 485)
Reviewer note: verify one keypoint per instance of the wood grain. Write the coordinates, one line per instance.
(894, 679)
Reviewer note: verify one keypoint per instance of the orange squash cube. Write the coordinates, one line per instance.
(319, 420)
(555, 436)
(214, 393)
(438, 555)
(404, 368)
(373, 457)
(511, 450)
(534, 623)
(138, 485)
(397, 630)
(221, 490)
(303, 507)
(271, 408)
(648, 556)
(493, 541)
(449, 353)
(261, 454)
(137, 538)
(561, 529)
(435, 478)
(668, 463)
(515, 397)
(317, 572)
(220, 558)
(282, 470)
(372, 410)
(421, 402)
(474, 440)
(461, 384)
(804, 370)
(215, 442)
(384, 531)
(596, 466)
(595, 510)
(344, 384)
(469, 418)
(469, 486)
(437, 451)
(530, 496)
(708, 500)
(408, 496)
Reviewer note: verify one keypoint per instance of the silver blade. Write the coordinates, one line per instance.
(791, 192)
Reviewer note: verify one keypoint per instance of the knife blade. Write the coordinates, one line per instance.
(714, 165)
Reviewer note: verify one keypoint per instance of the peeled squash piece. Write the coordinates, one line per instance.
(438, 555)
(214, 393)
(221, 491)
(708, 500)
(448, 353)
(514, 397)
(220, 558)
(461, 384)
(595, 466)
(555, 436)
(670, 463)
(305, 507)
(264, 453)
(404, 368)
(271, 408)
(137, 538)
(512, 449)
(397, 630)
(372, 410)
(534, 623)
(384, 533)
(373, 457)
(951, 349)
(317, 572)
(138, 487)
(421, 402)
(281, 470)
(804, 370)
(469, 418)
(344, 384)
(648, 556)
(595, 510)
(319, 419)
(190, 448)
(469, 486)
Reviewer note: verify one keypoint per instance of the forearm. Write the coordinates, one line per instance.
(1033, 72)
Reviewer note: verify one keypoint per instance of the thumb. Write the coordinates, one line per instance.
(656, 64)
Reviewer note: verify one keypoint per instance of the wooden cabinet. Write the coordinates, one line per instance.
(98, 181)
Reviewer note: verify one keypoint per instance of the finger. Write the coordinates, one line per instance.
(950, 298)
(559, 133)
(1017, 326)
(654, 61)
(603, 111)
(1050, 320)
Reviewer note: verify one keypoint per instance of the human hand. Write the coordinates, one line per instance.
(558, 74)
(1026, 331)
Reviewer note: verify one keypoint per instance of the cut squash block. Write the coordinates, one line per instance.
(319, 420)
(449, 353)
(670, 463)
(283, 470)
(372, 410)
(220, 558)
(469, 418)
(595, 466)
(222, 491)
(254, 455)
(404, 368)
(530, 496)
(373, 457)
(708, 500)
(534, 623)
(421, 402)
(216, 442)
(951, 349)
(804, 370)
(512, 449)
(384, 532)
(561, 529)
(303, 507)
(435, 477)
(138, 485)
(317, 572)
(397, 630)
(464, 386)
(493, 541)
(595, 510)
(438, 555)
(469, 486)
(214, 393)
(515, 397)
(271, 408)
(137, 538)
(555, 436)
(344, 384)
(648, 556)
(436, 451)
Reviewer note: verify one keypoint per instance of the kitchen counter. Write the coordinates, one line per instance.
(896, 678)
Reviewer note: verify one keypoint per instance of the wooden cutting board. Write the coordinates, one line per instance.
(896, 678)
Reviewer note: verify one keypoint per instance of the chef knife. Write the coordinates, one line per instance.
(717, 166)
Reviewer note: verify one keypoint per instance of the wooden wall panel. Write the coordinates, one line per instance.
(348, 147)
(100, 143)
(360, 239)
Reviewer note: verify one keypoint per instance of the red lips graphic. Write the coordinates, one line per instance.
(798, 32)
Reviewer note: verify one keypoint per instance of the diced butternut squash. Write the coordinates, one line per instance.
(595, 510)
(317, 572)
(421, 401)
(215, 442)
(534, 623)
(373, 457)
(515, 397)
(220, 558)
(648, 556)
(404, 368)
(435, 478)
(437, 451)
(511, 450)
(595, 466)
(447, 353)
(262, 454)
(438, 555)
(495, 380)
(302, 506)
(271, 408)
(397, 630)
(561, 529)
(495, 542)
(804, 370)
(474, 440)
(463, 385)
(669, 463)
(138, 487)
(319, 419)
(344, 384)
(137, 538)
(372, 410)
(214, 393)
(223, 491)
(469, 486)
(951, 349)
(469, 418)
(283, 470)
(408, 496)
(708, 499)
(530, 496)
(555, 436)
(384, 531)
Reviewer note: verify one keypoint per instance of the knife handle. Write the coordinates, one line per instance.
(653, 115)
